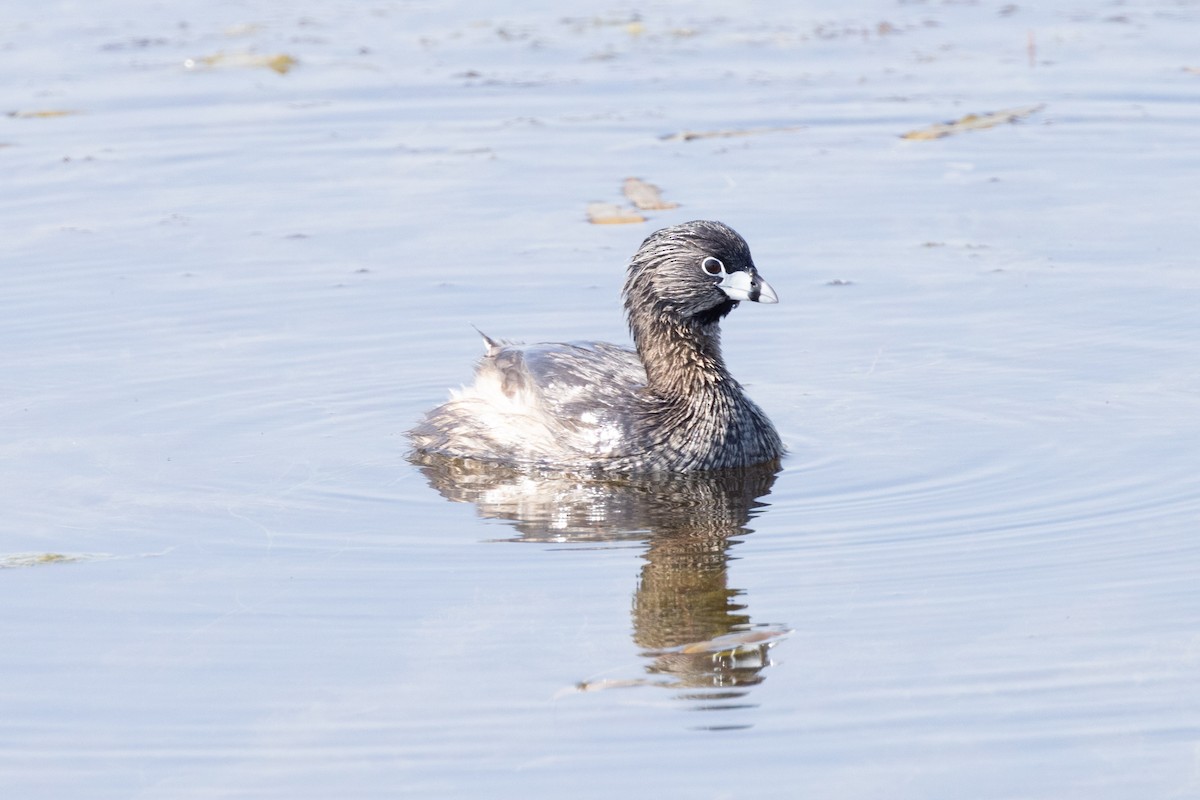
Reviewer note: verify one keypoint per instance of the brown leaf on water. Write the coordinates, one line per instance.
(645, 196)
(18, 560)
(612, 214)
(42, 113)
(972, 122)
(687, 136)
(14, 560)
(279, 62)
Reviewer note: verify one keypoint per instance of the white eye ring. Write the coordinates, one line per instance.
(712, 265)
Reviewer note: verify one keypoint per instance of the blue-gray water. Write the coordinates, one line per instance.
(227, 292)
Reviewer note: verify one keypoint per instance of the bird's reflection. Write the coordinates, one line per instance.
(689, 624)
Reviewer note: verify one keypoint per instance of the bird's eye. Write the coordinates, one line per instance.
(712, 266)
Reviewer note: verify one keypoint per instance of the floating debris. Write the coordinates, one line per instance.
(614, 683)
(14, 560)
(735, 643)
(612, 214)
(687, 136)
(17, 560)
(972, 122)
(42, 114)
(645, 196)
(279, 62)
(727, 660)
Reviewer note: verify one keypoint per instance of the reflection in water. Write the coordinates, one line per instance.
(687, 621)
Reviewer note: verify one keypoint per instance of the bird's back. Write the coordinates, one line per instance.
(541, 403)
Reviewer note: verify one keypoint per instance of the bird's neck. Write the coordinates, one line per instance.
(682, 357)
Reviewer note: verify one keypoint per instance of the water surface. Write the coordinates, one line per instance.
(228, 291)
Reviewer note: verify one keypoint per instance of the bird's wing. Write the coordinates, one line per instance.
(586, 389)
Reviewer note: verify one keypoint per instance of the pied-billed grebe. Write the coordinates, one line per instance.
(671, 405)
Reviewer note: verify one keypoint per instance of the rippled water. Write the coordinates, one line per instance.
(227, 292)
